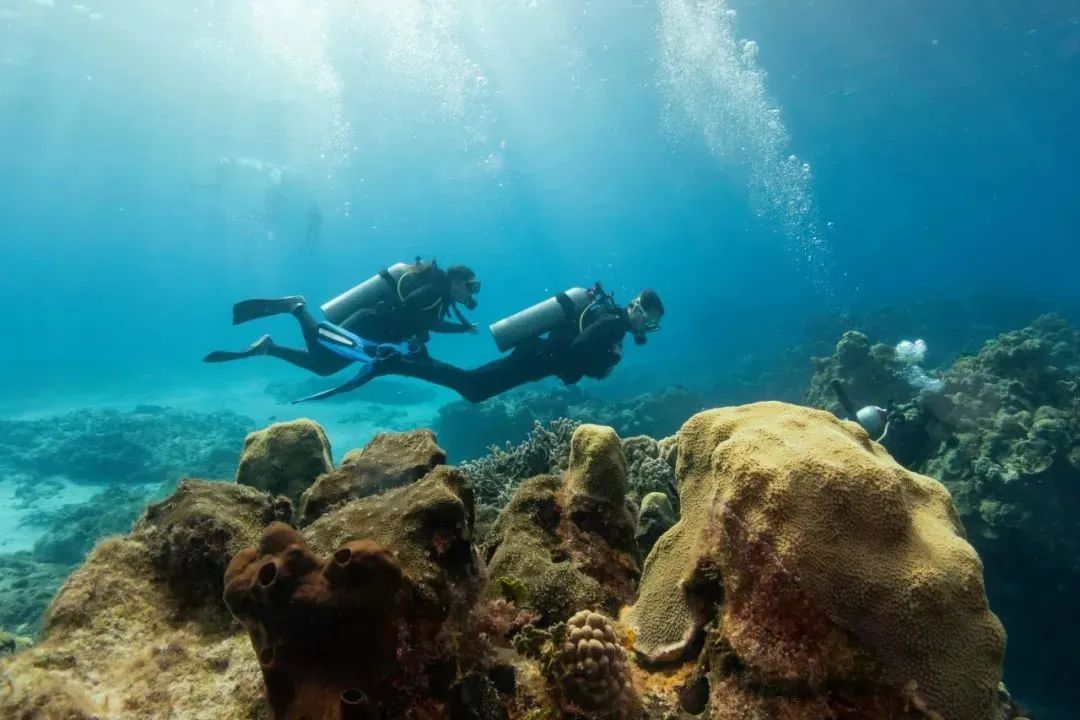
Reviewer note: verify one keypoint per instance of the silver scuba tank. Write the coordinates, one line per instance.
(542, 317)
(366, 295)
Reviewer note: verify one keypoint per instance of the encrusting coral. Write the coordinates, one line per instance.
(390, 460)
(285, 458)
(570, 541)
(833, 578)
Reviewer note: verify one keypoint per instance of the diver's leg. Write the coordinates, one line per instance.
(475, 385)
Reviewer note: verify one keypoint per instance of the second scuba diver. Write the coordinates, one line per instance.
(575, 334)
(390, 314)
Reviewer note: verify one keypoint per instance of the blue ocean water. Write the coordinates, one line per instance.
(761, 164)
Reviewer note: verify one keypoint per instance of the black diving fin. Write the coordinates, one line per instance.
(259, 347)
(247, 310)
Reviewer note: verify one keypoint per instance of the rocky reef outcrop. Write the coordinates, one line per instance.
(390, 460)
(1002, 433)
(806, 577)
(285, 458)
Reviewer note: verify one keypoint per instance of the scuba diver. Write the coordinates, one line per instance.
(873, 419)
(390, 314)
(574, 334)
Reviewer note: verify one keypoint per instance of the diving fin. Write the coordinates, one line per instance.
(259, 347)
(367, 372)
(247, 310)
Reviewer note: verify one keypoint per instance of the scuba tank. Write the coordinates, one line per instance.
(873, 419)
(366, 295)
(564, 308)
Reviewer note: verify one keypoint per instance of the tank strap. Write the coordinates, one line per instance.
(568, 308)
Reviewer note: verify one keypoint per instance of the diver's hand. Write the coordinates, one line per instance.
(472, 329)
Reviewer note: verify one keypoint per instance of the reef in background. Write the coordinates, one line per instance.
(128, 457)
(1003, 434)
(808, 577)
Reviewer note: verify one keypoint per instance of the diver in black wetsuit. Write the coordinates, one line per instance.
(398, 308)
(580, 343)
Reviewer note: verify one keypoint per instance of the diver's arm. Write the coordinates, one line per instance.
(445, 326)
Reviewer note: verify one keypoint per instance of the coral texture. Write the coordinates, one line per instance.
(836, 568)
(570, 542)
(590, 670)
(498, 474)
(327, 632)
(285, 458)
(390, 460)
(192, 534)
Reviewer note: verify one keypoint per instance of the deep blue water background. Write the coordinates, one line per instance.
(541, 143)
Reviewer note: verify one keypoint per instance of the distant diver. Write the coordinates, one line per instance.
(574, 334)
(393, 313)
(874, 420)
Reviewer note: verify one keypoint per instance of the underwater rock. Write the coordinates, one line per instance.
(569, 542)
(428, 524)
(390, 460)
(838, 579)
(113, 646)
(193, 534)
(150, 444)
(328, 632)
(74, 529)
(655, 517)
(285, 458)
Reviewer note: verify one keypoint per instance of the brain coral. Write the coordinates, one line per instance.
(838, 566)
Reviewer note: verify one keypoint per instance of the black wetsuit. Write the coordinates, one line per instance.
(565, 353)
(420, 312)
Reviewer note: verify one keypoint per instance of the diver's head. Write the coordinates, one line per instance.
(645, 312)
(464, 286)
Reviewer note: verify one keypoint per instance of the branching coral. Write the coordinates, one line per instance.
(496, 476)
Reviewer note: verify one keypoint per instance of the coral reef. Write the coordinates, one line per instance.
(655, 517)
(498, 474)
(390, 460)
(590, 673)
(26, 586)
(871, 374)
(116, 644)
(150, 444)
(570, 541)
(285, 458)
(192, 534)
(469, 430)
(808, 577)
(328, 633)
(834, 581)
(73, 529)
